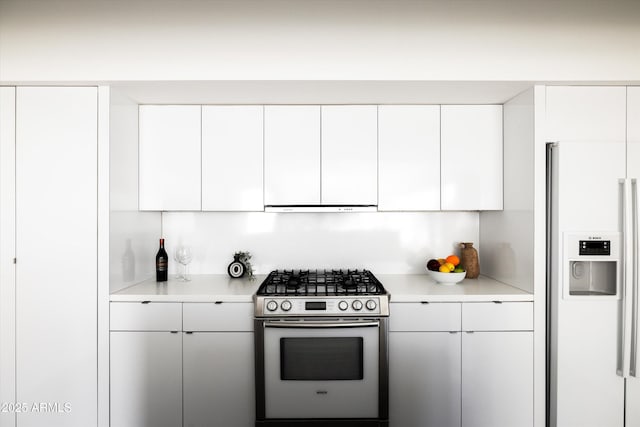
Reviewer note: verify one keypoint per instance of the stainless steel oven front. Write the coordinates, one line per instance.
(321, 371)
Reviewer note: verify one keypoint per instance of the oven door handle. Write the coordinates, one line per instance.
(311, 325)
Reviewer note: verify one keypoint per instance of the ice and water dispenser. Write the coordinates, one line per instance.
(593, 263)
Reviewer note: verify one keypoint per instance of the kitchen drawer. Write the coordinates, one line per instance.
(424, 317)
(154, 316)
(225, 316)
(492, 316)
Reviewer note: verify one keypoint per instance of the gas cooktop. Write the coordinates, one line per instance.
(320, 283)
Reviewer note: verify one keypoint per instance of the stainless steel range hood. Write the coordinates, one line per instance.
(321, 208)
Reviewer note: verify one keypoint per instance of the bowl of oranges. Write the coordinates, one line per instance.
(446, 271)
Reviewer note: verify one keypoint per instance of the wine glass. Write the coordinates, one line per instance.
(183, 256)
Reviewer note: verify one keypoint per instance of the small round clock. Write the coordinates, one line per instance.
(237, 268)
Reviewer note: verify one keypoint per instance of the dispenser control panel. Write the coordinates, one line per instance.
(594, 247)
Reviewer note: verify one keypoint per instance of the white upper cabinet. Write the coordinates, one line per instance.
(396, 157)
(585, 113)
(633, 132)
(291, 155)
(349, 155)
(471, 157)
(232, 143)
(169, 143)
(315, 157)
(409, 157)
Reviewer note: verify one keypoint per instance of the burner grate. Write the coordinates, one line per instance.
(321, 283)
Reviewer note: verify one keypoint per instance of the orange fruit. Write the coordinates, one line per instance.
(444, 269)
(453, 260)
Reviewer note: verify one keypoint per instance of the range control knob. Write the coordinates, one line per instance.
(343, 305)
(357, 305)
(285, 305)
(272, 306)
(371, 305)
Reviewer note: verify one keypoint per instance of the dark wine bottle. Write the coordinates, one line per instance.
(162, 263)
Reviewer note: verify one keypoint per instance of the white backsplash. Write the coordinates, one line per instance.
(384, 242)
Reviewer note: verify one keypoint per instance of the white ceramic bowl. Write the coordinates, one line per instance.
(447, 278)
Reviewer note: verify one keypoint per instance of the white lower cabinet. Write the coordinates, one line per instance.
(218, 383)
(497, 364)
(497, 379)
(145, 364)
(146, 379)
(469, 365)
(218, 379)
(424, 379)
(182, 364)
(424, 364)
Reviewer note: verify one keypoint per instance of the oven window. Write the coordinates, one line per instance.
(321, 359)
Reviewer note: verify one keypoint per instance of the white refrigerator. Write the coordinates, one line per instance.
(593, 371)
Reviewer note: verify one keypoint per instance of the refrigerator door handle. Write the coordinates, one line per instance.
(634, 278)
(622, 365)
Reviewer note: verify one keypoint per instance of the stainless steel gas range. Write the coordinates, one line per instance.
(321, 349)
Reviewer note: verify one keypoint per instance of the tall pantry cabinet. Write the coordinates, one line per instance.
(48, 256)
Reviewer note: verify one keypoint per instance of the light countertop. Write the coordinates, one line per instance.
(402, 287)
(421, 287)
(201, 288)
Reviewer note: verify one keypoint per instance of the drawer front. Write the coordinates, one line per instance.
(491, 316)
(421, 317)
(226, 316)
(153, 316)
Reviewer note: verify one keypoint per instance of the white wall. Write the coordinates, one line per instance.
(507, 236)
(67, 40)
(389, 242)
(133, 235)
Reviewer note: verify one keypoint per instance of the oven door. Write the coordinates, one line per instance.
(321, 369)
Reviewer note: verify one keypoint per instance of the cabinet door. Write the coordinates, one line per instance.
(419, 317)
(145, 316)
(170, 160)
(222, 317)
(497, 316)
(633, 132)
(471, 157)
(7, 252)
(56, 251)
(349, 155)
(232, 158)
(424, 379)
(219, 379)
(146, 379)
(497, 379)
(585, 113)
(409, 157)
(291, 155)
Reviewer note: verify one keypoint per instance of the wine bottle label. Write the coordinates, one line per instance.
(162, 264)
